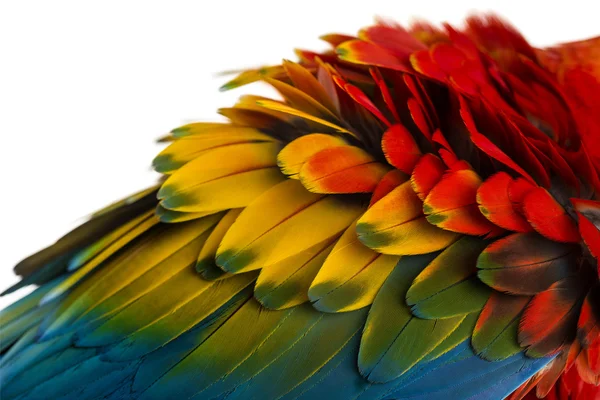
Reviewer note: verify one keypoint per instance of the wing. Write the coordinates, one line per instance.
(416, 218)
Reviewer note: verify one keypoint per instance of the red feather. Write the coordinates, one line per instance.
(427, 173)
(548, 217)
(544, 332)
(486, 145)
(400, 148)
(451, 204)
(389, 182)
(394, 38)
(494, 203)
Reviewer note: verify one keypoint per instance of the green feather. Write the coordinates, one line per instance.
(394, 340)
(448, 286)
(495, 335)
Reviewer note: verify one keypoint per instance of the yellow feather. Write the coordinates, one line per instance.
(186, 149)
(276, 106)
(301, 100)
(281, 223)
(285, 284)
(128, 232)
(351, 275)
(223, 178)
(144, 257)
(304, 80)
(206, 259)
(396, 225)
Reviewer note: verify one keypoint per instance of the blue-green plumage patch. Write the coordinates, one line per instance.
(427, 209)
(181, 131)
(342, 52)
(370, 238)
(327, 300)
(234, 260)
(436, 219)
(208, 269)
(274, 296)
(165, 163)
(174, 201)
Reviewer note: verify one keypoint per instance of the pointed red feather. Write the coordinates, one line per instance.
(544, 332)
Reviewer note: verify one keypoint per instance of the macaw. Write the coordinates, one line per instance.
(415, 218)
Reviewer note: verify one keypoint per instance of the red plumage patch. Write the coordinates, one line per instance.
(389, 182)
(548, 217)
(393, 38)
(385, 93)
(427, 173)
(486, 145)
(588, 326)
(342, 169)
(494, 203)
(361, 98)
(400, 148)
(451, 204)
(586, 211)
(544, 332)
(361, 52)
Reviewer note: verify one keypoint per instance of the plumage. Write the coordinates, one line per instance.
(495, 334)
(391, 344)
(416, 217)
(448, 286)
(396, 225)
(293, 156)
(252, 170)
(256, 240)
(509, 265)
(400, 148)
(350, 276)
(356, 171)
(451, 204)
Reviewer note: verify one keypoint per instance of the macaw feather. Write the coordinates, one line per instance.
(350, 276)
(306, 82)
(355, 172)
(400, 149)
(548, 217)
(302, 101)
(128, 232)
(427, 172)
(394, 340)
(158, 246)
(451, 204)
(448, 286)
(495, 334)
(293, 156)
(396, 225)
(545, 333)
(361, 52)
(286, 283)
(180, 152)
(525, 263)
(252, 170)
(389, 182)
(256, 240)
(206, 265)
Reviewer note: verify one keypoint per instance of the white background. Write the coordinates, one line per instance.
(86, 87)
